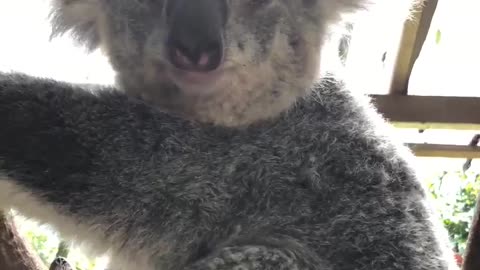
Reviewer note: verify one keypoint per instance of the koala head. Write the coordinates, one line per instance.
(227, 62)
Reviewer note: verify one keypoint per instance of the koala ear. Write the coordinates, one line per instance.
(354, 5)
(79, 17)
(390, 10)
(334, 10)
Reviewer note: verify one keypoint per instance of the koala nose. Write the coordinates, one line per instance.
(193, 51)
(195, 40)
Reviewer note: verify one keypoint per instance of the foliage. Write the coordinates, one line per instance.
(46, 251)
(438, 36)
(454, 195)
(47, 245)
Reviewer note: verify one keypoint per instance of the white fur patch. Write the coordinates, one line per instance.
(90, 238)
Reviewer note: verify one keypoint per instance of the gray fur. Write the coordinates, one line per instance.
(318, 187)
(263, 170)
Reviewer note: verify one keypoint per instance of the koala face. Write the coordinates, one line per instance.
(227, 62)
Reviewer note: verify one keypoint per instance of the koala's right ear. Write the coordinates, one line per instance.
(80, 17)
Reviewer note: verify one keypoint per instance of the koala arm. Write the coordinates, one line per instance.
(112, 172)
(84, 162)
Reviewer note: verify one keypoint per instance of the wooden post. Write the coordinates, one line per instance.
(414, 34)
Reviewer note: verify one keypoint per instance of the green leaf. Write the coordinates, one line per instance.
(438, 36)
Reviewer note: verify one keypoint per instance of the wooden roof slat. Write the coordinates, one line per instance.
(445, 151)
(430, 111)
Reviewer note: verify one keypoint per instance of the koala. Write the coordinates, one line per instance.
(206, 60)
(218, 148)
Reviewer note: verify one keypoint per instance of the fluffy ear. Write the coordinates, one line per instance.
(80, 17)
(353, 5)
(387, 9)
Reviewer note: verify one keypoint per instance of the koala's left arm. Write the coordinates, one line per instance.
(120, 176)
(90, 162)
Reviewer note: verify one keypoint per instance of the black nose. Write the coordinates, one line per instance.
(195, 40)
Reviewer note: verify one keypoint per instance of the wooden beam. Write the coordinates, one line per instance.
(445, 151)
(415, 31)
(438, 126)
(430, 111)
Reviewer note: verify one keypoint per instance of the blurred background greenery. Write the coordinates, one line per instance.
(454, 194)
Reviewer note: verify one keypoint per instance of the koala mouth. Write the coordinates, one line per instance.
(195, 82)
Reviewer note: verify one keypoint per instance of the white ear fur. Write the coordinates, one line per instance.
(80, 17)
(385, 10)
(352, 6)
